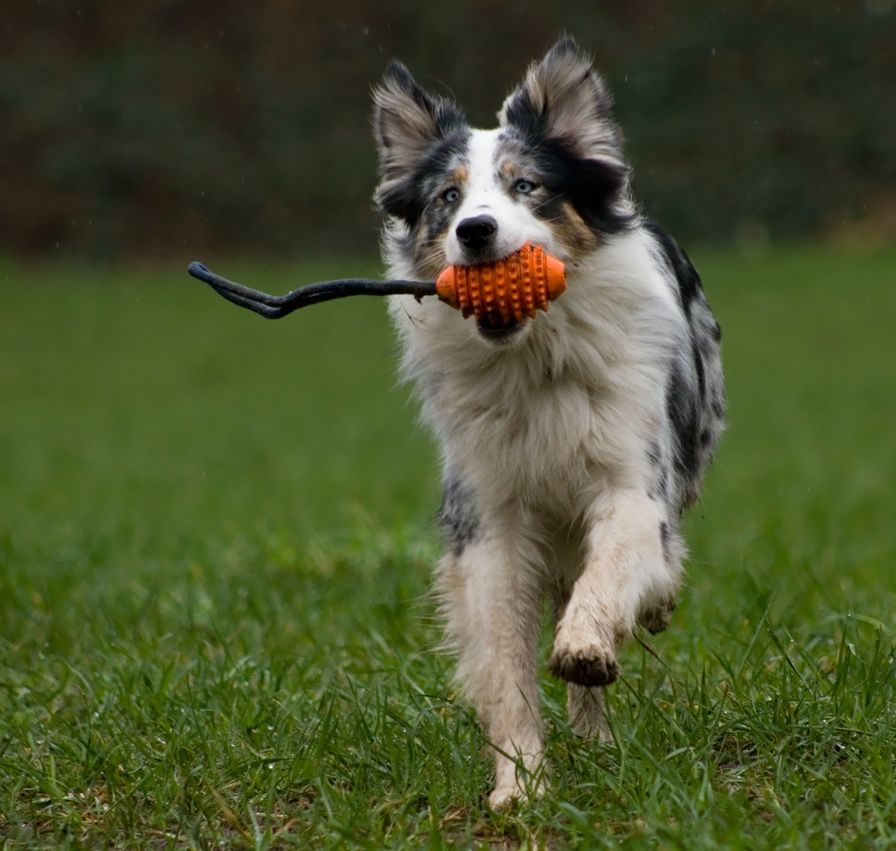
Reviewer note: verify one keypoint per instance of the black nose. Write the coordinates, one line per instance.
(476, 232)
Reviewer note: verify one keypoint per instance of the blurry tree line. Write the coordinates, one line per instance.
(153, 127)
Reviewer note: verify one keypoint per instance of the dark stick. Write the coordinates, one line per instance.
(275, 306)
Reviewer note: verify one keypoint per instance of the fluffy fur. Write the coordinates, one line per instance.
(570, 443)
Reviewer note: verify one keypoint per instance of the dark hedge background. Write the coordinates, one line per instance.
(153, 127)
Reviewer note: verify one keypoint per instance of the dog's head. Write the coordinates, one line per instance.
(552, 173)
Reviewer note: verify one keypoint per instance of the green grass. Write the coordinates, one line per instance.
(215, 548)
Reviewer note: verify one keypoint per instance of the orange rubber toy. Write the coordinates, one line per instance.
(505, 290)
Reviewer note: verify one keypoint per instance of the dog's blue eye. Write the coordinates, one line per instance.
(450, 195)
(524, 187)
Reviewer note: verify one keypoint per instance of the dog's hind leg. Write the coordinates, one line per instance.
(586, 712)
(490, 596)
(629, 567)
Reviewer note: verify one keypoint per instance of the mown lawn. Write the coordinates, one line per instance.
(215, 543)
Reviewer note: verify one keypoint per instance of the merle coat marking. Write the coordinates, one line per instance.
(571, 443)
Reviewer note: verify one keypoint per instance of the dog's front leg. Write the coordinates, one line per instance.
(491, 599)
(628, 568)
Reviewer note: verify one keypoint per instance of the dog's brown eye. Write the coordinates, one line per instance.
(523, 186)
(449, 196)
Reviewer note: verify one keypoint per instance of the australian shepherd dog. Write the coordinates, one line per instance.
(571, 443)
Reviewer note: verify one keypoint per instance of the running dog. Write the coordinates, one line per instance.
(571, 443)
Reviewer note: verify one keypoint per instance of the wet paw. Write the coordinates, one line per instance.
(588, 665)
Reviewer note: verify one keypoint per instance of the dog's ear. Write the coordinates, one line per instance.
(407, 121)
(563, 98)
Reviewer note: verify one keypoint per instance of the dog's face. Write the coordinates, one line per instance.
(552, 173)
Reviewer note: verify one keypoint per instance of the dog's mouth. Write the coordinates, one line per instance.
(498, 331)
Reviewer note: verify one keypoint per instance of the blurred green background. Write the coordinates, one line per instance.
(156, 128)
(216, 532)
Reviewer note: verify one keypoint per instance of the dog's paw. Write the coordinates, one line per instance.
(657, 618)
(507, 794)
(504, 797)
(586, 664)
